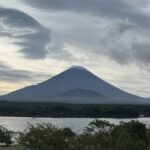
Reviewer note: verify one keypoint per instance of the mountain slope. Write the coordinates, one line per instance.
(74, 86)
(82, 93)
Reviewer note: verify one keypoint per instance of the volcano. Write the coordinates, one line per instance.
(75, 85)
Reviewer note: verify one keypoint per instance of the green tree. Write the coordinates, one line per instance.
(5, 136)
(129, 136)
(98, 135)
(46, 137)
(99, 127)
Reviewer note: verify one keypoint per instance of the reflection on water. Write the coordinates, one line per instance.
(77, 124)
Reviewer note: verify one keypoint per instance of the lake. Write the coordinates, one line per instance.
(77, 124)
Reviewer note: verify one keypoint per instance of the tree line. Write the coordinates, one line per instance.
(35, 109)
(98, 135)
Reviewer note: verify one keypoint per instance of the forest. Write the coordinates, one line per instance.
(39, 109)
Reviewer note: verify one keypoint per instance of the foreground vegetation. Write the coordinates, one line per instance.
(98, 135)
(35, 109)
(5, 136)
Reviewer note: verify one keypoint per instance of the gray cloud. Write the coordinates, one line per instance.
(124, 38)
(10, 74)
(127, 43)
(25, 31)
(111, 9)
(13, 75)
(142, 51)
(56, 49)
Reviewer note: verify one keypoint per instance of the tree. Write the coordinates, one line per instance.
(129, 136)
(5, 136)
(99, 127)
(99, 135)
(46, 136)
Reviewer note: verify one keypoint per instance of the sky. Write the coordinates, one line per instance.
(41, 38)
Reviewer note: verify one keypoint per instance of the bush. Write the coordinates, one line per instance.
(99, 135)
(46, 137)
(130, 136)
(5, 136)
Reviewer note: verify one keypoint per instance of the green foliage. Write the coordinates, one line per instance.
(46, 136)
(5, 136)
(99, 127)
(99, 135)
(39, 109)
(130, 136)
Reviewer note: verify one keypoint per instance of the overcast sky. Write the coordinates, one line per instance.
(40, 38)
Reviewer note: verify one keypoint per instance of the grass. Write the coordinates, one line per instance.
(14, 147)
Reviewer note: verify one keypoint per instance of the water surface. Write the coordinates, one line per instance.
(77, 124)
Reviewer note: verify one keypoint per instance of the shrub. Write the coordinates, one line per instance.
(46, 137)
(99, 135)
(5, 136)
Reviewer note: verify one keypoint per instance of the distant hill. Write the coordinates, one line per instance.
(75, 85)
(81, 93)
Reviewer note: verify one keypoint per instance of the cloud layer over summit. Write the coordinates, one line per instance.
(111, 38)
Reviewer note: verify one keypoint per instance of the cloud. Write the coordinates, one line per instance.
(26, 32)
(120, 30)
(10, 74)
(104, 8)
(56, 49)
(142, 51)
(13, 75)
(126, 43)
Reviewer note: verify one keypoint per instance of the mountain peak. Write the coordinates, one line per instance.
(75, 85)
(78, 68)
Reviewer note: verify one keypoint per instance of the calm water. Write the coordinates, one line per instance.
(77, 124)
